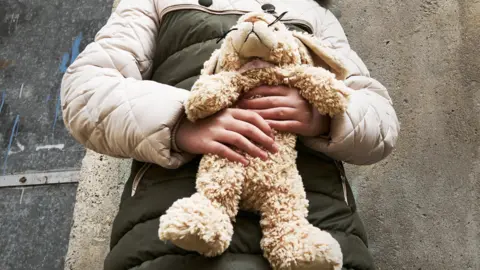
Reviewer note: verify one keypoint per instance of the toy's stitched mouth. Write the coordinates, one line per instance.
(255, 33)
(241, 47)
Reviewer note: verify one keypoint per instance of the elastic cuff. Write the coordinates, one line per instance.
(174, 133)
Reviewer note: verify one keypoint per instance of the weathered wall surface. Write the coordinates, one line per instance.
(98, 195)
(421, 205)
(38, 40)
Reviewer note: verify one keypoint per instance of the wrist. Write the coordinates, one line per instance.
(321, 123)
(324, 125)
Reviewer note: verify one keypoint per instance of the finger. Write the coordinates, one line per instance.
(281, 113)
(253, 133)
(254, 119)
(266, 90)
(265, 103)
(242, 143)
(226, 152)
(286, 126)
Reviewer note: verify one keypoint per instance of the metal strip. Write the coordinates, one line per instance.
(39, 178)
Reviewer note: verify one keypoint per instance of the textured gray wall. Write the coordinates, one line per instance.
(421, 205)
(38, 40)
(34, 226)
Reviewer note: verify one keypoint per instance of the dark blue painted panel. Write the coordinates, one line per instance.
(38, 40)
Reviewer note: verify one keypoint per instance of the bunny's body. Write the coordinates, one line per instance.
(259, 51)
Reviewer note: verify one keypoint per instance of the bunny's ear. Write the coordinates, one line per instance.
(210, 66)
(322, 55)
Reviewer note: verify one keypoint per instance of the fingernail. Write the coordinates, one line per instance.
(264, 156)
(245, 163)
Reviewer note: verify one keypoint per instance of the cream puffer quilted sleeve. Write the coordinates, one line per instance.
(367, 132)
(108, 106)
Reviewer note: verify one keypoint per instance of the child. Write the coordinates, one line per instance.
(123, 96)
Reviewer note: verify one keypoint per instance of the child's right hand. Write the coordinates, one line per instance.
(235, 127)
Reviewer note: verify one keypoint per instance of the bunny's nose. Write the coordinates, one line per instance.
(254, 19)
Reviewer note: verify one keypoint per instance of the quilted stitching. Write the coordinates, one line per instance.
(132, 18)
(145, 137)
(353, 124)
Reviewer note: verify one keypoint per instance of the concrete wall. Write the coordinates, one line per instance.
(421, 205)
(101, 184)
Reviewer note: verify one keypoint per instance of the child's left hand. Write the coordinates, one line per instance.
(285, 110)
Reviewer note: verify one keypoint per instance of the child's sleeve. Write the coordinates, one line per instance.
(367, 132)
(108, 106)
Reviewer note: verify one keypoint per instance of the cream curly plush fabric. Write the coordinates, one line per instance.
(272, 187)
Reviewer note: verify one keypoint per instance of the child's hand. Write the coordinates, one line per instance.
(285, 110)
(234, 127)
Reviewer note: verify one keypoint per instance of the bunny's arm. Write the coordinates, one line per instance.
(367, 131)
(320, 87)
(211, 94)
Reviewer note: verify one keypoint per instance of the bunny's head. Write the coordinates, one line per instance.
(262, 36)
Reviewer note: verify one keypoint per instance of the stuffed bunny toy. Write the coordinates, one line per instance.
(259, 50)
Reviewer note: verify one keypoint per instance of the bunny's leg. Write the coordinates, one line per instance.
(275, 188)
(203, 222)
(289, 240)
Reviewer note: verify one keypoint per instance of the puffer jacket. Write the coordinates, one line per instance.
(123, 96)
(111, 107)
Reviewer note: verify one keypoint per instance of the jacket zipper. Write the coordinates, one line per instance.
(139, 176)
(224, 12)
(343, 177)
